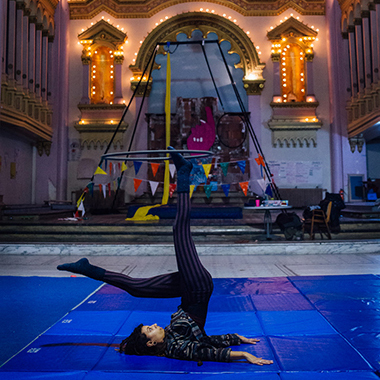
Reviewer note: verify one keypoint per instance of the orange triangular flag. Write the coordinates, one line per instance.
(137, 183)
(260, 160)
(244, 187)
(155, 167)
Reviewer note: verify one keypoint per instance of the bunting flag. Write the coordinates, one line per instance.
(244, 187)
(137, 165)
(241, 165)
(100, 188)
(80, 200)
(118, 181)
(119, 165)
(208, 190)
(224, 166)
(123, 166)
(268, 191)
(136, 183)
(111, 166)
(260, 160)
(155, 167)
(207, 168)
(172, 169)
(91, 188)
(99, 170)
(172, 187)
(226, 189)
(191, 190)
(109, 188)
(104, 187)
(153, 186)
(262, 183)
(81, 208)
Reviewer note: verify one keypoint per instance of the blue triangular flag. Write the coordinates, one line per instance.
(137, 165)
(268, 191)
(226, 189)
(241, 165)
(91, 188)
(208, 190)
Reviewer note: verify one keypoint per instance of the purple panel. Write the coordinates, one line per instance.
(273, 302)
(90, 323)
(317, 353)
(242, 286)
(59, 353)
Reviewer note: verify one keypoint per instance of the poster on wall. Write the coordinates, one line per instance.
(297, 173)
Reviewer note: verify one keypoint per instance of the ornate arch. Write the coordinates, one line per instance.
(207, 23)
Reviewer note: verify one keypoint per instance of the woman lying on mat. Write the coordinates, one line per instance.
(185, 337)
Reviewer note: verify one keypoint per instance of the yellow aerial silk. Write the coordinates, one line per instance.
(165, 196)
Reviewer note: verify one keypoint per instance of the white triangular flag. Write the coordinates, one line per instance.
(172, 169)
(153, 186)
(81, 208)
(262, 183)
(104, 188)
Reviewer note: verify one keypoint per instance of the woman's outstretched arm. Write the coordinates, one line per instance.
(240, 355)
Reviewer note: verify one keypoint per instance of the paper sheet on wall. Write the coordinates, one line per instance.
(296, 173)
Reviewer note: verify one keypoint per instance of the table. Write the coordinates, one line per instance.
(267, 215)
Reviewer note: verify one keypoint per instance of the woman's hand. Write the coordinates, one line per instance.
(237, 355)
(247, 340)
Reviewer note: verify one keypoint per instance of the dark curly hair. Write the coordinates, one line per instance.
(136, 344)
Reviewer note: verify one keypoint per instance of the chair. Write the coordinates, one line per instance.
(318, 221)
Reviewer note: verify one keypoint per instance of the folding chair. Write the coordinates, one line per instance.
(318, 221)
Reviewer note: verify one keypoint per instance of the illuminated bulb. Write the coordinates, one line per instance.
(111, 76)
(132, 78)
(280, 20)
(166, 17)
(111, 72)
(312, 45)
(82, 30)
(259, 52)
(284, 69)
(206, 10)
(224, 15)
(286, 18)
(285, 96)
(283, 63)
(298, 18)
(93, 92)
(96, 52)
(102, 17)
(135, 53)
(284, 84)
(111, 102)
(94, 71)
(111, 92)
(123, 101)
(271, 27)
(111, 56)
(314, 119)
(284, 39)
(133, 60)
(138, 78)
(301, 39)
(312, 27)
(94, 66)
(247, 32)
(93, 86)
(317, 30)
(306, 119)
(301, 59)
(144, 78)
(108, 20)
(111, 66)
(161, 20)
(291, 14)
(229, 17)
(201, 9)
(301, 79)
(317, 39)
(302, 90)
(110, 51)
(79, 43)
(301, 74)
(156, 23)
(141, 42)
(111, 121)
(284, 80)
(272, 51)
(93, 77)
(235, 20)
(257, 47)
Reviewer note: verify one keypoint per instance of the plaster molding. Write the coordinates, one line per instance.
(80, 9)
(207, 23)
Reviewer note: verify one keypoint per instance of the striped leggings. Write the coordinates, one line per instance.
(193, 283)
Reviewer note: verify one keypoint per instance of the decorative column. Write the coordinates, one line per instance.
(11, 39)
(38, 58)
(359, 52)
(25, 48)
(44, 64)
(49, 67)
(309, 80)
(118, 62)
(375, 26)
(346, 68)
(19, 42)
(86, 62)
(3, 34)
(354, 72)
(366, 49)
(32, 53)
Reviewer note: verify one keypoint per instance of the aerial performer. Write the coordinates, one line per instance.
(185, 337)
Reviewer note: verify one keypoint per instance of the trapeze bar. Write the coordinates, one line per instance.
(124, 156)
(199, 42)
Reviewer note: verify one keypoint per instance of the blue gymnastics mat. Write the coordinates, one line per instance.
(315, 328)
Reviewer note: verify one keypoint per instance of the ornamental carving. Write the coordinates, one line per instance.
(80, 9)
(207, 23)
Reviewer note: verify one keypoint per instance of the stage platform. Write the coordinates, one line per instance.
(321, 327)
